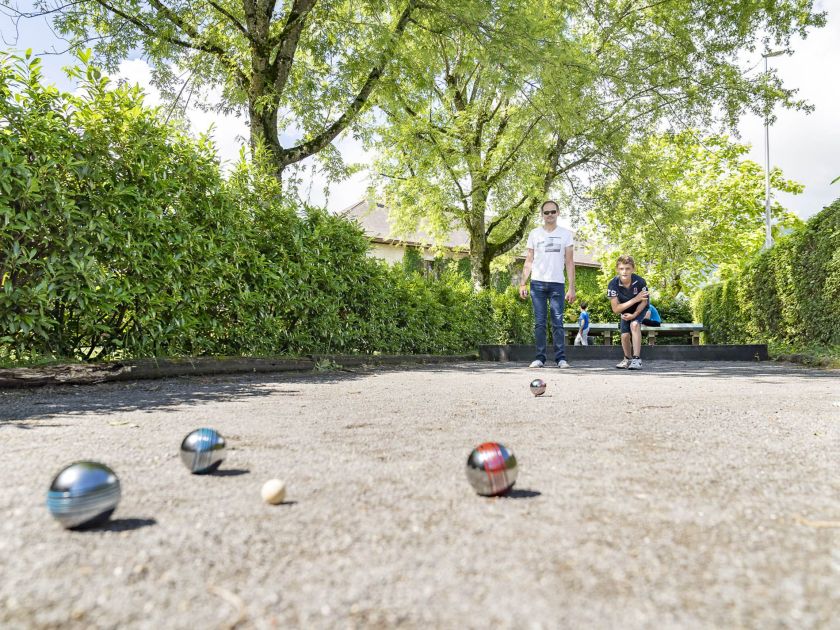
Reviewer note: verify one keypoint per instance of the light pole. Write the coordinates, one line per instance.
(768, 234)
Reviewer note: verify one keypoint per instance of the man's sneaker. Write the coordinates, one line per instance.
(635, 364)
(562, 363)
(625, 363)
(536, 363)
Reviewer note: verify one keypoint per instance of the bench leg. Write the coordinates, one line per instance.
(607, 337)
(651, 338)
(695, 339)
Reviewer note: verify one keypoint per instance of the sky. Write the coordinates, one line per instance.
(805, 146)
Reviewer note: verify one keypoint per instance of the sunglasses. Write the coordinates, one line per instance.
(549, 211)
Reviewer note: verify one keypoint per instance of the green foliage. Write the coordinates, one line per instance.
(296, 68)
(591, 288)
(513, 317)
(107, 215)
(412, 261)
(501, 103)
(121, 239)
(789, 294)
(674, 310)
(686, 209)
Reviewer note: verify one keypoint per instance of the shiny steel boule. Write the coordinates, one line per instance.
(84, 494)
(202, 451)
(538, 387)
(491, 469)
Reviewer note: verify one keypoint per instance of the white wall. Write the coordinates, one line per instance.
(393, 254)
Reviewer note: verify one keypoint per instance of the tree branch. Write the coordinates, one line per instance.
(295, 154)
(495, 249)
(503, 167)
(168, 14)
(498, 220)
(233, 20)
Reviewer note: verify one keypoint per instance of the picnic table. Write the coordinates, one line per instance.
(651, 332)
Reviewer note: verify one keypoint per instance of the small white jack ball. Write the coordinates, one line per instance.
(273, 491)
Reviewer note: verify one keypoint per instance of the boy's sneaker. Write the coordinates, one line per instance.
(625, 363)
(635, 364)
(536, 363)
(562, 363)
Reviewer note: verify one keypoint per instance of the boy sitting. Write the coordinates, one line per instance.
(628, 295)
(652, 317)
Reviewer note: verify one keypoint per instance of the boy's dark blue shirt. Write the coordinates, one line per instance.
(625, 294)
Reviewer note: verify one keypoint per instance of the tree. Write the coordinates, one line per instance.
(686, 208)
(488, 117)
(305, 68)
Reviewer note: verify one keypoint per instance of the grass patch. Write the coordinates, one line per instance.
(811, 354)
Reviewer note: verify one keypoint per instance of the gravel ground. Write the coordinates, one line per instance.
(685, 495)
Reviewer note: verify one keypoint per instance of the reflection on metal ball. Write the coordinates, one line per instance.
(538, 387)
(491, 469)
(202, 451)
(84, 494)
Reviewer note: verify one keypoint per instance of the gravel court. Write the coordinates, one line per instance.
(686, 495)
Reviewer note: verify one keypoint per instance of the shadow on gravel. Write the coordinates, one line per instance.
(228, 472)
(168, 394)
(157, 395)
(122, 525)
(521, 493)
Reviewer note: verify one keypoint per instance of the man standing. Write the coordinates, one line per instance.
(550, 249)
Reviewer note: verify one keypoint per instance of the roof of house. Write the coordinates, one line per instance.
(376, 224)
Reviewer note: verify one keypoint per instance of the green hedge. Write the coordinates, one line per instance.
(787, 294)
(121, 239)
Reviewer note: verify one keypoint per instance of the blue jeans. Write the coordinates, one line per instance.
(553, 294)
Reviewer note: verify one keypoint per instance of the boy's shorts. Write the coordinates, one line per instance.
(624, 324)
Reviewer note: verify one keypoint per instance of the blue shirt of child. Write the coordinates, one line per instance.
(654, 314)
(583, 320)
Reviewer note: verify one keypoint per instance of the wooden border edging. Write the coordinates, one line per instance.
(140, 369)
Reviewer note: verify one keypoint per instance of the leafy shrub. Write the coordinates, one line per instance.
(789, 294)
(513, 317)
(116, 233)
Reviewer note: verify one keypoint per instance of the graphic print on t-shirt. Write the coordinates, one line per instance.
(554, 244)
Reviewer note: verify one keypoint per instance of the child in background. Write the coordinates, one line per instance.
(582, 337)
(652, 317)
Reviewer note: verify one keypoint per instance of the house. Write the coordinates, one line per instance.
(373, 218)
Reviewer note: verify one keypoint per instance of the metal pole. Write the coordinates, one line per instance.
(768, 234)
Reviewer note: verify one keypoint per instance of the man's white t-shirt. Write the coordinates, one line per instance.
(549, 253)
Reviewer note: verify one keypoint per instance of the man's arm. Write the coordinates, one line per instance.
(570, 273)
(526, 271)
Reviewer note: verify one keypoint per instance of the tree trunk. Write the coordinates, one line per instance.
(479, 255)
(263, 125)
(262, 113)
(479, 262)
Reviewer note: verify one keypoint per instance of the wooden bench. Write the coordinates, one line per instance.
(652, 332)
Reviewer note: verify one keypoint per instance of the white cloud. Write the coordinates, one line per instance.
(228, 132)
